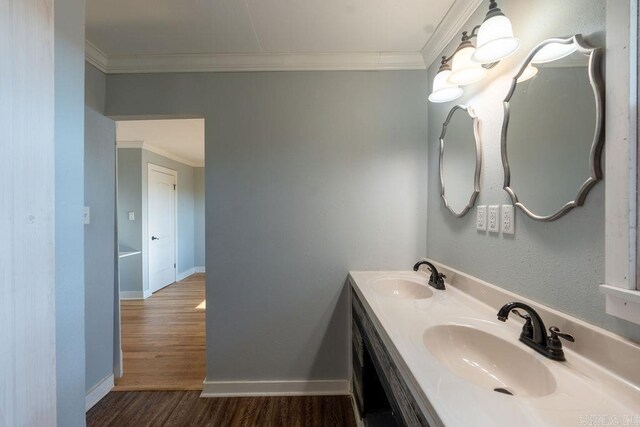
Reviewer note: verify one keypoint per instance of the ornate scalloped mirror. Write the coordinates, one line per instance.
(460, 160)
(552, 135)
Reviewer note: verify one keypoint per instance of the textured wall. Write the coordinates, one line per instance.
(308, 175)
(198, 190)
(560, 263)
(69, 195)
(99, 245)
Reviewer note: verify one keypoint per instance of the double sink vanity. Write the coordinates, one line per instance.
(454, 357)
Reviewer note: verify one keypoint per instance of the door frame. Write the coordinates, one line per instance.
(145, 225)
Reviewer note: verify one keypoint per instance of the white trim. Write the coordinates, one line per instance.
(185, 274)
(233, 62)
(98, 391)
(450, 26)
(275, 388)
(125, 295)
(95, 56)
(622, 303)
(621, 162)
(146, 146)
(200, 269)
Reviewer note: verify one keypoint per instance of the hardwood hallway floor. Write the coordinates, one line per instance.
(163, 338)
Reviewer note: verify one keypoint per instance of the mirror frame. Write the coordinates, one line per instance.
(476, 178)
(597, 84)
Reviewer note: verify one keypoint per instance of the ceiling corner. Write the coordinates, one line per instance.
(95, 56)
(459, 12)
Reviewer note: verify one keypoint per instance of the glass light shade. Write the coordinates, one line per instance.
(553, 52)
(464, 70)
(443, 91)
(495, 40)
(528, 73)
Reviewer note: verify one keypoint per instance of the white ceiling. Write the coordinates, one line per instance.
(125, 27)
(396, 28)
(181, 139)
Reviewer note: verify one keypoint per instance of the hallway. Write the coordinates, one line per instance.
(163, 338)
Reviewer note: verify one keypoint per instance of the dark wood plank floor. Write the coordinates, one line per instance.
(186, 408)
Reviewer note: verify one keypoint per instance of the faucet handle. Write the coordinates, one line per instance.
(555, 334)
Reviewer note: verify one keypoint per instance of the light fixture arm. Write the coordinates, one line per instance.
(474, 33)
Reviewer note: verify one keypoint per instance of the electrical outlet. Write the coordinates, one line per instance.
(481, 218)
(493, 220)
(508, 225)
(132, 216)
(87, 215)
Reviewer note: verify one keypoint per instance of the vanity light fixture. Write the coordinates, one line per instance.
(464, 70)
(495, 37)
(553, 52)
(469, 64)
(528, 73)
(443, 91)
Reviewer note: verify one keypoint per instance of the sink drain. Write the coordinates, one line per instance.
(503, 391)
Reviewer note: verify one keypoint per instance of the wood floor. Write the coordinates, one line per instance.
(163, 338)
(186, 408)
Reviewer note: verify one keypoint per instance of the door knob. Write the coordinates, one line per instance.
(155, 238)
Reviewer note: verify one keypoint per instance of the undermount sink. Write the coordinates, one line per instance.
(402, 288)
(489, 361)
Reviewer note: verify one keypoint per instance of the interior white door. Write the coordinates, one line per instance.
(161, 228)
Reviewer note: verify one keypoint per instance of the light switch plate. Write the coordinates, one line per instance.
(481, 218)
(493, 219)
(87, 215)
(508, 224)
(132, 216)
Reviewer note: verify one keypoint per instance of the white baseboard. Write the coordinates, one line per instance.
(185, 274)
(275, 388)
(135, 294)
(199, 269)
(131, 295)
(98, 391)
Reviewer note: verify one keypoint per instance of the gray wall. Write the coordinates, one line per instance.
(99, 245)
(308, 175)
(560, 263)
(130, 232)
(95, 88)
(69, 176)
(198, 225)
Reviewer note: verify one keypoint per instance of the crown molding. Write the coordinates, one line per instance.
(146, 146)
(450, 26)
(234, 62)
(95, 56)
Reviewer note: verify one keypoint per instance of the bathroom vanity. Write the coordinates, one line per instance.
(423, 356)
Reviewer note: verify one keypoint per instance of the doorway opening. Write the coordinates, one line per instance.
(161, 264)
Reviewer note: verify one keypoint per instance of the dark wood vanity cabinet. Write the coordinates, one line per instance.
(381, 395)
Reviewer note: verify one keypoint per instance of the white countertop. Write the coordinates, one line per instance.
(585, 393)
